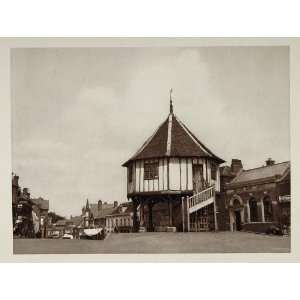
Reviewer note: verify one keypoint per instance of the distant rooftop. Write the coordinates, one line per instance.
(261, 173)
(107, 208)
(41, 203)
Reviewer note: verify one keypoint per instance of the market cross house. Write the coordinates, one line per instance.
(173, 179)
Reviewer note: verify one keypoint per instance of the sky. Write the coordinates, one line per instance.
(79, 113)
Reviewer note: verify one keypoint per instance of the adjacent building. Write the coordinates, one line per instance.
(121, 219)
(257, 198)
(94, 214)
(40, 207)
(29, 215)
(61, 227)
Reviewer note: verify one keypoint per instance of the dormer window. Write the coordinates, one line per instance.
(151, 170)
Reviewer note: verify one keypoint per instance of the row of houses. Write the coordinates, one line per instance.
(30, 215)
(113, 217)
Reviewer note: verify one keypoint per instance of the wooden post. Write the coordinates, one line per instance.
(142, 214)
(150, 224)
(262, 210)
(182, 212)
(196, 221)
(215, 213)
(170, 204)
(135, 220)
(188, 213)
(248, 211)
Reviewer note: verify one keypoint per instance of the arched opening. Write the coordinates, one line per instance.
(268, 211)
(253, 210)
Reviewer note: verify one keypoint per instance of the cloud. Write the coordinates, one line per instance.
(78, 114)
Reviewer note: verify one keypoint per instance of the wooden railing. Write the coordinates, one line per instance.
(202, 196)
(201, 224)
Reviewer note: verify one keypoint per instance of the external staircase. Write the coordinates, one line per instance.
(200, 201)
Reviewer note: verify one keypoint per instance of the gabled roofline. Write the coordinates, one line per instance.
(144, 144)
(274, 178)
(250, 182)
(197, 142)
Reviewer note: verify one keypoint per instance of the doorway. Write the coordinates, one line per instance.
(238, 223)
(197, 178)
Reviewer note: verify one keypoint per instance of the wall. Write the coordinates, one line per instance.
(118, 221)
(259, 192)
(180, 177)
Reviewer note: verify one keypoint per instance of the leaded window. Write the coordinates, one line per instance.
(151, 170)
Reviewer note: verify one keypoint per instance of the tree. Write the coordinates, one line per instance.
(55, 217)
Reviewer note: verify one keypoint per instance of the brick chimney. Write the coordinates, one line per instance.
(236, 165)
(270, 162)
(115, 204)
(99, 205)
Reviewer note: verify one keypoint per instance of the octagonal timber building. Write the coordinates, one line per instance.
(170, 166)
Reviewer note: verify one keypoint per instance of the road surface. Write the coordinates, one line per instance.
(159, 242)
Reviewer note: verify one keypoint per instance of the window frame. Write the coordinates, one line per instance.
(151, 170)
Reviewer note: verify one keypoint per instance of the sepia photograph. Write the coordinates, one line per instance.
(150, 150)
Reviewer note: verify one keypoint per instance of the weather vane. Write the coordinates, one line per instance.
(171, 103)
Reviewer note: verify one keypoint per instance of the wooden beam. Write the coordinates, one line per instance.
(182, 212)
(188, 213)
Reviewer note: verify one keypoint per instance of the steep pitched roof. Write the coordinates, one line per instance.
(123, 209)
(261, 173)
(173, 139)
(107, 208)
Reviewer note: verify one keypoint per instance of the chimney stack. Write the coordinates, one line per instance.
(115, 204)
(236, 165)
(270, 162)
(15, 180)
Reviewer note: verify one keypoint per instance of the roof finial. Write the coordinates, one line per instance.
(171, 103)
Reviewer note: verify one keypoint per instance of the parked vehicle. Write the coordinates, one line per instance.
(274, 229)
(67, 236)
(93, 234)
(142, 229)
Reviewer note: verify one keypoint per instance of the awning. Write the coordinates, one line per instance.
(93, 231)
(285, 198)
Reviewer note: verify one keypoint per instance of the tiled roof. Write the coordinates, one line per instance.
(61, 223)
(173, 139)
(41, 203)
(107, 208)
(123, 209)
(261, 173)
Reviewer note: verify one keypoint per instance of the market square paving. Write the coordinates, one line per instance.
(159, 242)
